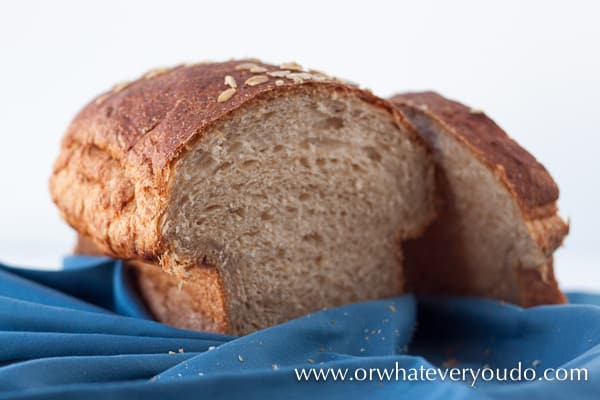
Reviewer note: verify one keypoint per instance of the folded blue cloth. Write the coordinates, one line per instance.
(82, 333)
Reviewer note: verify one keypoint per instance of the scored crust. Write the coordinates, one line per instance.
(528, 181)
(111, 178)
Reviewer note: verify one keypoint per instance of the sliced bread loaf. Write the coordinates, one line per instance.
(499, 225)
(268, 191)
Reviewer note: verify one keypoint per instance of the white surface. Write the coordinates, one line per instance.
(534, 66)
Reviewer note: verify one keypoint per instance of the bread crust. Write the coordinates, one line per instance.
(524, 177)
(527, 179)
(196, 301)
(111, 178)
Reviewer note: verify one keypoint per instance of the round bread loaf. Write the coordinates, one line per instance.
(265, 192)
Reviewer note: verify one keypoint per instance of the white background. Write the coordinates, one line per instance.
(534, 66)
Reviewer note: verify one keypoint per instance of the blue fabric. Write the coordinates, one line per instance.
(82, 333)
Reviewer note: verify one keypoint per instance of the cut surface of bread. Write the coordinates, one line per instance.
(279, 200)
(498, 226)
(301, 201)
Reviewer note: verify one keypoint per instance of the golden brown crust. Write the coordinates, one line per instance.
(197, 303)
(528, 180)
(111, 178)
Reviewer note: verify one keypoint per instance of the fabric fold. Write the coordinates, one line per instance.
(83, 333)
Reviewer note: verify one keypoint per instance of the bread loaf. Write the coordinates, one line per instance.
(499, 227)
(264, 192)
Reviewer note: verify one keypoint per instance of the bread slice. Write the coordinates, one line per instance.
(270, 191)
(499, 225)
